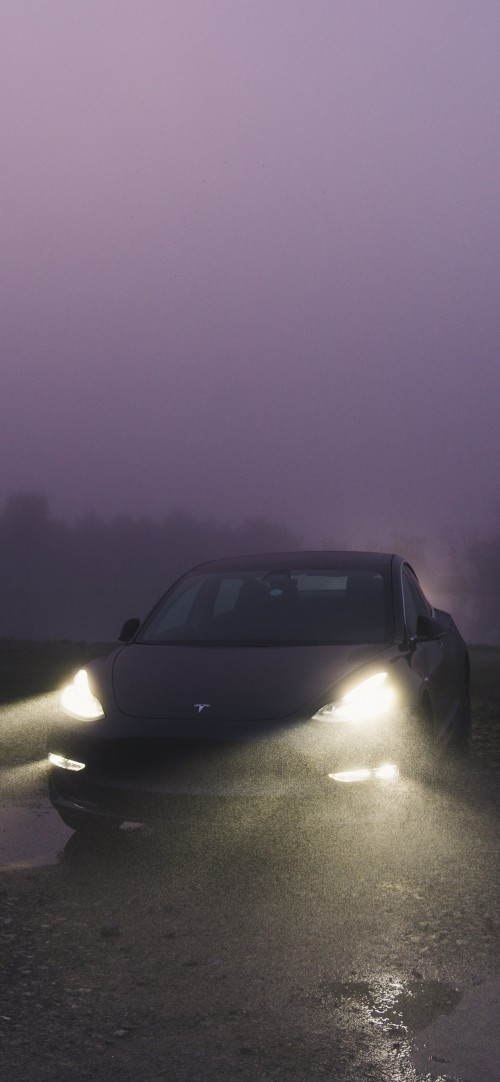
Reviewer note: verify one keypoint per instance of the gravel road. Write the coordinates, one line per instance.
(313, 940)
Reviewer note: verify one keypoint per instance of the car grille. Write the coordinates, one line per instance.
(198, 762)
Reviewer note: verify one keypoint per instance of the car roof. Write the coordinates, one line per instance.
(298, 561)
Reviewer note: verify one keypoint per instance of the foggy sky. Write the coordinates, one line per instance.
(250, 260)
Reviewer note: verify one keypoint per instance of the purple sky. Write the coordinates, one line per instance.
(250, 260)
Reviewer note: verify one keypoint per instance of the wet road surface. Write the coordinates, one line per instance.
(351, 939)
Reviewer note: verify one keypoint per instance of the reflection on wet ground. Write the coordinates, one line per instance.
(31, 837)
(391, 1004)
(392, 1012)
(467, 1041)
(423, 1025)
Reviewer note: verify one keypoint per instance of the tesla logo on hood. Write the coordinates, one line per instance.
(201, 706)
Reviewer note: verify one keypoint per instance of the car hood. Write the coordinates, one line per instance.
(248, 684)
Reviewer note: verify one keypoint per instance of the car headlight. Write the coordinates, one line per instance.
(78, 700)
(370, 699)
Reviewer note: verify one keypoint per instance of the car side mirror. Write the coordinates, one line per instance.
(129, 629)
(429, 628)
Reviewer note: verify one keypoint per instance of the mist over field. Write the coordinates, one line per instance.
(82, 580)
(249, 293)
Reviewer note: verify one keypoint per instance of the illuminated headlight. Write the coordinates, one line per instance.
(370, 699)
(78, 700)
(65, 764)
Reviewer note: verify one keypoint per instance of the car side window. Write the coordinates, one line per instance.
(226, 596)
(415, 603)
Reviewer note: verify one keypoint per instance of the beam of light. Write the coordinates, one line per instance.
(26, 780)
(28, 715)
(23, 777)
(65, 764)
(32, 768)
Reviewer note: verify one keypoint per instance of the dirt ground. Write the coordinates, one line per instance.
(303, 943)
(256, 950)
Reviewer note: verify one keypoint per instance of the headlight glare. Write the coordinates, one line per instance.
(372, 698)
(78, 700)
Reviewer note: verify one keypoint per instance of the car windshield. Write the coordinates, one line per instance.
(238, 608)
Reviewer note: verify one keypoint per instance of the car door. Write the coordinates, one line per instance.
(430, 659)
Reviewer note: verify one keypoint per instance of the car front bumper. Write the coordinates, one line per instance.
(143, 777)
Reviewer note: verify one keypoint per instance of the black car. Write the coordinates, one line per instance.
(261, 677)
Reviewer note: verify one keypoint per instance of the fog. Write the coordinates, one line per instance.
(251, 273)
(81, 581)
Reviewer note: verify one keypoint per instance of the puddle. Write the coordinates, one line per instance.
(30, 837)
(394, 1005)
(432, 1027)
(467, 1042)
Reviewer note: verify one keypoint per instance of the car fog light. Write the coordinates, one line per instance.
(351, 775)
(65, 764)
(387, 772)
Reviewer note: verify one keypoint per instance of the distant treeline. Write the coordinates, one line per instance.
(81, 581)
